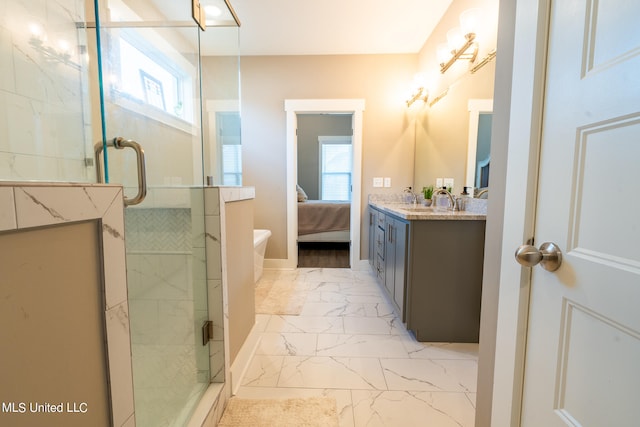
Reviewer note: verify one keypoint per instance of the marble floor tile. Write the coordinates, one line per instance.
(347, 342)
(332, 372)
(325, 274)
(306, 324)
(387, 346)
(379, 309)
(376, 325)
(430, 375)
(409, 409)
(287, 344)
(421, 350)
(336, 309)
(348, 297)
(347, 288)
(263, 370)
(364, 276)
(270, 275)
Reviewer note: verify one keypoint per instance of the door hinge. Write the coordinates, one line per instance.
(207, 332)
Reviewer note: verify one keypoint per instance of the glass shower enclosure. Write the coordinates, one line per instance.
(72, 83)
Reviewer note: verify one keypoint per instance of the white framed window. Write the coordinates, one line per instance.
(148, 75)
(149, 70)
(336, 160)
(231, 164)
(228, 138)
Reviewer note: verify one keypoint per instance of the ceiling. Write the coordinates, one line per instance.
(325, 27)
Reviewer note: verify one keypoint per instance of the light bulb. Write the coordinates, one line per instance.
(443, 53)
(36, 30)
(64, 46)
(419, 80)
(455, 39)
(469, 20)
(212, 11)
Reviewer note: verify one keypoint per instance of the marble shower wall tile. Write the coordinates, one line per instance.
(59, 204)
(160, 276)
(42, 110)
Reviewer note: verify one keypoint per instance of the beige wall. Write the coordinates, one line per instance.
(442, 129)
(388, 132)
(240, 281)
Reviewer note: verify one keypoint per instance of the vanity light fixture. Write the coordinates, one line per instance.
(484, 61)
(421, 94)
(60, 52)
(461, 42)
(420, 91)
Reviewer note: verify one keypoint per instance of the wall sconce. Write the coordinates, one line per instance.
(421, 94)
(420, 91)
(461, 42)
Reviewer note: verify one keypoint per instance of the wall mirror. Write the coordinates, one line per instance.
(479, 145)
(447, 133)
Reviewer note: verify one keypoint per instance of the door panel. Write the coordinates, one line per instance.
(152, 96)
(596, 353)
(606, 150)
(583, 339)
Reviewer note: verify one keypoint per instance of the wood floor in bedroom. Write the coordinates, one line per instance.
(323, 255)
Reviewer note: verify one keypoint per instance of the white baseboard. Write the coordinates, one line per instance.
(240, 365)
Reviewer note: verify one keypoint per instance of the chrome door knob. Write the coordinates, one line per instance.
(548, 256)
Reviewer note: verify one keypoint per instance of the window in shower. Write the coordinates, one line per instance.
(151, 71)
(148, 76)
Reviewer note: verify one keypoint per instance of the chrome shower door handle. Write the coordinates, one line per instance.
(548, 256)
(120, 143)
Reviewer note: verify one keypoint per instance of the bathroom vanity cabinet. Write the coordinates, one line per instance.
(431, 267)
(387, 255)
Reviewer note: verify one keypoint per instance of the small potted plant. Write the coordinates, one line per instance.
(427, 192)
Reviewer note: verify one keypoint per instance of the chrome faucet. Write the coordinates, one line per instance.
(414, 196)
(482, 192)
(452, 202)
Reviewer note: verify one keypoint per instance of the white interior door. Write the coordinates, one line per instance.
(583, 345)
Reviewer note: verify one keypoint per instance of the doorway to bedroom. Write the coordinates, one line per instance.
(325, 174)
(353, 109)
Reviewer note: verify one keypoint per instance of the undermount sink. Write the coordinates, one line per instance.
(418, 208)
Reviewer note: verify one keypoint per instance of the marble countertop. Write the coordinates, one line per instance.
(419, 212)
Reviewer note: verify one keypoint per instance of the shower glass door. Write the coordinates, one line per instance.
(150, 94)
